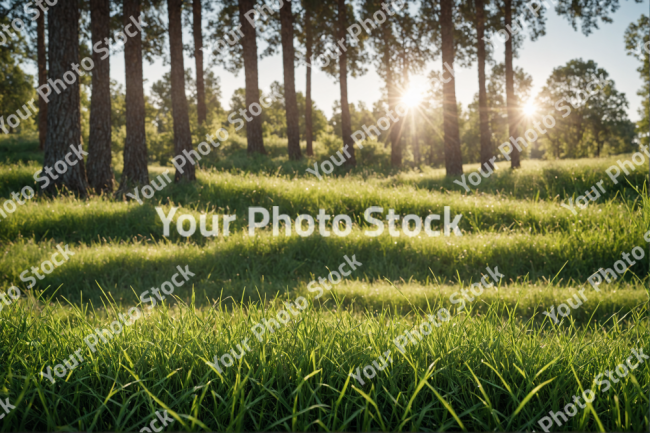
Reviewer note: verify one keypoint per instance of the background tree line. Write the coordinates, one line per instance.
(185, 105)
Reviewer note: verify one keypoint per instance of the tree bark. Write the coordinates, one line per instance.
(100, 171)
(453, 156)
(484, 117)
(182, 133)
(201, 110)
(308, 115)
(415, 138)
(346, 121)
(290, 101)
(42, 78)
(63, 119)
(135, 145)
(396, 129)
(511, 98)
(249, 44)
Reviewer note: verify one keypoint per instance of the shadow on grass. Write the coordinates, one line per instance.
(288, 264)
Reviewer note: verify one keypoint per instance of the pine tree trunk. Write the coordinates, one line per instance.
(453, 156)
(100, 171)
(201, 111)
(309, 135)
(135, 145)
(42, 78)
(395, 134)
(484, 116)
(415, 138)
(290, 101)
(182, 133)
(511, 98)
(249, 44)
(346, 120)
(63, 119)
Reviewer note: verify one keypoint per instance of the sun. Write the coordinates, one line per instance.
(529, 108)
(412, 97)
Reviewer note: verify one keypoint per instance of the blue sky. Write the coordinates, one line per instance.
(561, 44)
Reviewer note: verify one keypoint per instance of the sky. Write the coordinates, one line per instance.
(605, 46)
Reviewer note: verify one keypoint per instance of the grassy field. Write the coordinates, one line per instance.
(497, 364)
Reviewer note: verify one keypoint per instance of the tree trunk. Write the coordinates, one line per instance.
(346, 121)
(249, 44)
(63, 119)
(309, 46)
(100, 172)
(484, 115)
(135, 145)
(396, 129)
(42, 78)
(181, 118)
(511, 98)
(414, 137)
(291, 104)
(453, 157)
(201, 111)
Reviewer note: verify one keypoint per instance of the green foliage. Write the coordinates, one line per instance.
(16, 86)
(637, 43)
(589, 120)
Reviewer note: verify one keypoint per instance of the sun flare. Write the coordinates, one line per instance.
(412, 97)
(530, 108)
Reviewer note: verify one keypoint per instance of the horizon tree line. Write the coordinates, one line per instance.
(455, 31)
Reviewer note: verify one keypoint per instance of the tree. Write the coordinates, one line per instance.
(593, 113)
(399, 52)
(637, 44)
(100, 172)
(309, 44)
(63, 118)
(291, 104)
(313, 30)
(487, 150)
(308, 24)
(411, 55)
(249, 47)
(496, 97)
(453, 157)
(135, 146)
(447, 30)
(340, 59)
(198, 58)
(518, 17)
(346, 123)
(182, 134)
(41, 49)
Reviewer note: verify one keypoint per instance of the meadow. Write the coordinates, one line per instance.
(498, 364)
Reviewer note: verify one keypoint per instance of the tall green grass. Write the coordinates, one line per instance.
(477, 372)
(499, 365)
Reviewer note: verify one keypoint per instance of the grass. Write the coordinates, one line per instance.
(500, 364)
